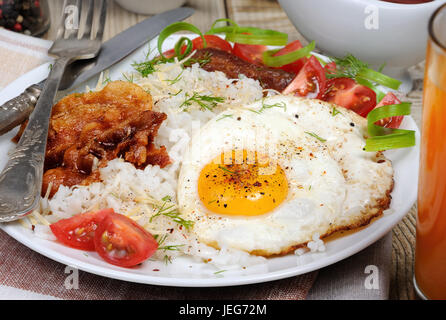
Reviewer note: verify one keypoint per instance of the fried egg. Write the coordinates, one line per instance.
(267, 178)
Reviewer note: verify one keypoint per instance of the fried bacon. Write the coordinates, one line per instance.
(114, 122)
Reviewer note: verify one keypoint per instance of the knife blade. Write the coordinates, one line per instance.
(17, 110)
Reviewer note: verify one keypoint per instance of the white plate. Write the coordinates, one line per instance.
(405, 162)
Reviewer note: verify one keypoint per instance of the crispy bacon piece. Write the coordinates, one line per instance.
(114, 122)
(232, 66)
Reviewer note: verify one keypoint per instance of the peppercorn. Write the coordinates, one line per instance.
(18, 27)
(24, 16)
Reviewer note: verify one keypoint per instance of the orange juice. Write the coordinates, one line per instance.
(430, 259)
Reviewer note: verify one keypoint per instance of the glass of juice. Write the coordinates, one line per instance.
(430, 254)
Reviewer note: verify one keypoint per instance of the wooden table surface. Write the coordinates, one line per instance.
(268, 14)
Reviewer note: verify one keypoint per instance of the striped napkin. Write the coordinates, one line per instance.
(25, 274)
(20, 54)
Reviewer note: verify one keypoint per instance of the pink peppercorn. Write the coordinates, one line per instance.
(18, 27)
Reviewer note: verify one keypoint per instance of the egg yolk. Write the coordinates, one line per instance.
(247, 185)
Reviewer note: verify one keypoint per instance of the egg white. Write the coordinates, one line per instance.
(333, 183)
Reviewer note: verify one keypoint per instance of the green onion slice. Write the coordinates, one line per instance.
(248, 35)
(384, 138)
(215, 29)
(180, 43)
(175, 27)
(278, 61)
(379, 94)
(378, 77)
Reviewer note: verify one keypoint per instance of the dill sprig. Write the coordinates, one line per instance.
(106, 80)
(224, 116)
(202, 61)
(335, 112)
(265, 106)
(314, 135)
(128, 78)
(170, 211)
(219, 272)
(177, 78)
(347, 67)
(204, 101)
(226, 169)
(146, 67)
(167, 259)
(174, 247)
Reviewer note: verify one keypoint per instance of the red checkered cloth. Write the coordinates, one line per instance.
(24, 269)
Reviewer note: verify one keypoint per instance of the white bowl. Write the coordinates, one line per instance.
(150, 6)
(375, 31)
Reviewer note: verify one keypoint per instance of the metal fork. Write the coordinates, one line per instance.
(21, 179)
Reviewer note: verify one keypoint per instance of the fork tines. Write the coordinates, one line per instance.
(82, 19)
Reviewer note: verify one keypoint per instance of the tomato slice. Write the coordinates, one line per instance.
(346, 93)
(252, 53)
(297, 65)
(78, 231)
(122, 242)
(212, 41)
(392, 122)
(310, 82)
(330, 67)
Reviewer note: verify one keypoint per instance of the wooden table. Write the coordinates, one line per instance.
(268, 14)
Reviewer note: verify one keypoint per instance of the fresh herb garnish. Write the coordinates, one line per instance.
(219, 272)
(167, 259)
(128, 78)
(204, 101)
(352, 67)
(177, 78)
(175, 94)
(168, 247)
(315, 136)
(224, 116)
(347, 67)
(106, 80)
(202, 61)
(166, 198)
(384, 138)
(170, 211)
(335, 111)
(227, 170)
(147, 66)
(175, 247)
(269, 106)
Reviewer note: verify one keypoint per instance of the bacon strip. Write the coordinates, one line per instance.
(114, 122)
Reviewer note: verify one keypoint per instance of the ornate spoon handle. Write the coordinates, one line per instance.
(21, 179)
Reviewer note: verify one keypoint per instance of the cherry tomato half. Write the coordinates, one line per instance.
(392, 122)
(212, 41)
(78, 231)
(310, 82)
(346, 93)
(252, 53)
(295, 66)
(121, 241)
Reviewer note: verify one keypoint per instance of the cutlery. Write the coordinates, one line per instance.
(21, 179)
(17, 110)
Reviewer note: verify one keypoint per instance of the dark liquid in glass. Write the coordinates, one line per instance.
(408, 1)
